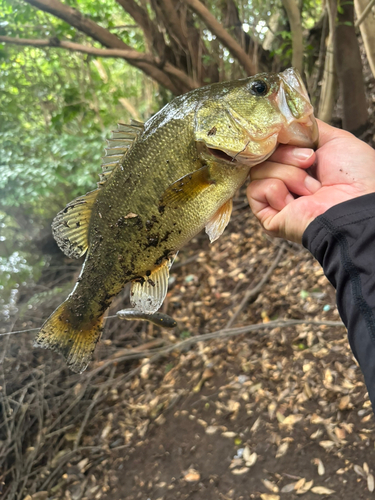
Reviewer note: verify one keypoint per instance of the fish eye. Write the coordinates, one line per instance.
(259, 87)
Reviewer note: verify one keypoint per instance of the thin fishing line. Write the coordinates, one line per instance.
(38, 328)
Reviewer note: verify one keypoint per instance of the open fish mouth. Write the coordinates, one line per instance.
(222, 155)
(246, 157)
(301, 128)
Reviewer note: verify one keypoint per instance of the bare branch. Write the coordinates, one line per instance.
(92, 29)
(79, 21)
(140, 16)
(172, 22)
(222, 34)
(130, 55)
(365, 13)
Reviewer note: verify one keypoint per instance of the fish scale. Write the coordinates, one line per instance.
(162, 183)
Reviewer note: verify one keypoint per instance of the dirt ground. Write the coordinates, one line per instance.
(277, 412)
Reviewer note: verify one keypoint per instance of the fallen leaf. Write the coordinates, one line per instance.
(267, 496)
(229, 434)
(300, 483)
(291, 420)
(252, 459)
(344, 402)
(192, 476)
(240, 471)
(321, 490)
(270, 485)
(282, 449)
(370, 483)
(340, 433)
(358, 470)
(246, 453)
(320, 465)
(305, 488)
(288, 488)
(327, 444)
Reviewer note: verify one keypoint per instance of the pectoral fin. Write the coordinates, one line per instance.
(219, 221)
(187, 188)
(148, 294)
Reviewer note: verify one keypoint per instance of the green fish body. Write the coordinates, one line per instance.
(162, 183)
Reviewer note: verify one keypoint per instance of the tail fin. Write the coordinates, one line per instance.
(62, 335)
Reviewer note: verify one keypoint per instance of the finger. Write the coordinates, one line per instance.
(299, 157)
(267, 197)
(296, 180)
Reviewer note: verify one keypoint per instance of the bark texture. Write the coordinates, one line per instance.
(349, 71)
(294, 16)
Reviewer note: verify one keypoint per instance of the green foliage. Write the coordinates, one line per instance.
(56, 110)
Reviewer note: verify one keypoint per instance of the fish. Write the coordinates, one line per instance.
(163, 181)
(158, 319)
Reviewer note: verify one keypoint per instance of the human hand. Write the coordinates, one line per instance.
(343, 165)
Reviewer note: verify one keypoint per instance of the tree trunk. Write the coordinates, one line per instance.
(328, 92)
(349, 71)
(367, 28)
(294, 16)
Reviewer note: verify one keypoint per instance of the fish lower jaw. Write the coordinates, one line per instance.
(301, 133)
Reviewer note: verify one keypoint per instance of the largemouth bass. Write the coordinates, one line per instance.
(162, 183)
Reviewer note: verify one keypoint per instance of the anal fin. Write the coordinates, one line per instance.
(148, 294)
(219, 221)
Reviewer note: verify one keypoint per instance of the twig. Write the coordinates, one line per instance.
(365, 13)
(89, 410)
(226, 332)
(253, 292)
(65, 459)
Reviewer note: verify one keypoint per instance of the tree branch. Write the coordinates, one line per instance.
(365, 13)
(140, 16)
(221, 33)
(130, 55)
(92, 29)
(172, 23)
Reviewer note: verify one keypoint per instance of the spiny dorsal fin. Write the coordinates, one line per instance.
(71, 226)
(118, 146)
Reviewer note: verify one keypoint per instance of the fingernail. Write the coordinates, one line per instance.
(303, 153)
(289, 198)
(312, 184)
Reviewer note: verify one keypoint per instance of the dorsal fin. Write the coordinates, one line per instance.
(118, 146)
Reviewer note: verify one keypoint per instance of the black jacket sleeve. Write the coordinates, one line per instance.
(343, 241)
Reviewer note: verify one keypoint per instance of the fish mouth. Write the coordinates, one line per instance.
(302, 134)
(222, 155)
(245, 157)
(301, 128)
